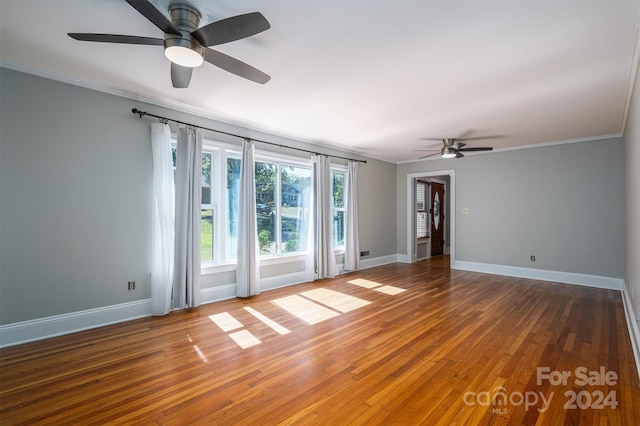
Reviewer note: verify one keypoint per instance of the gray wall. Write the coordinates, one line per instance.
(75, 197)
(632, 199)
(75, 173)
(376, 206)
(561, 203)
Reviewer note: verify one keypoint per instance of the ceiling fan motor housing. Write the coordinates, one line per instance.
(186, 19)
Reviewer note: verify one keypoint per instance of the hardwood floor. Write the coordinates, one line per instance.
(453, 348)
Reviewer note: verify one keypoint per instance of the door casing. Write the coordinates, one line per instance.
(411, 177)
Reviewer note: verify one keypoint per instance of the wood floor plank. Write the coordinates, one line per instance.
(440, 352)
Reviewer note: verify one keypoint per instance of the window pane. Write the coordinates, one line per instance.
(206, 178)
(294, 211)
(421, 224)
(338, 190)
(265, 207)
(338, 228)
(206, 236)
(233, 179)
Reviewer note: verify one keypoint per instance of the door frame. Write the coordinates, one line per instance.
(411, 177)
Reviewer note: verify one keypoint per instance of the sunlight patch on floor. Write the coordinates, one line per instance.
(200, 354)
(225, 321)
(372, 285)
(311, 306)
(389, 289)
(361, 282)
(334, 299)
(268, 321)
(245, 339)
(308, 311)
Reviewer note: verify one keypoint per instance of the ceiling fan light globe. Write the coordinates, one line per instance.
(448, 153)
(183, 56)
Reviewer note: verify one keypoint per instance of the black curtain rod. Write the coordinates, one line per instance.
(143, 113)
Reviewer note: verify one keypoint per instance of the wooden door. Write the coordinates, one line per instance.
(437, 218)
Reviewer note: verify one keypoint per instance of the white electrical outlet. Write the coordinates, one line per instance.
(465, 210)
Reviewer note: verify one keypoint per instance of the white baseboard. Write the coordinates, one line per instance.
(632, 326)
(371, 263)
(216, 294)
(378, 261)
(541, 274)
(57, 325)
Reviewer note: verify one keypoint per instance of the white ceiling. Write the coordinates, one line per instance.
(370, 76)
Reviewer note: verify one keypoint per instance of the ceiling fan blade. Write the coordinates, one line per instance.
(156, 17)
(180, 76)
(235, 66)
(457, 146)
(430, 155)
(231, 29)
(459, 154)
(478, 148)
(117, 38)
(427, 149)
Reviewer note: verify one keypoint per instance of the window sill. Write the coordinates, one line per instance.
(212, 268)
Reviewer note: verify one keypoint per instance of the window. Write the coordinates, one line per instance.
(283, 195)
(266, 210)
(208, 206)
(283, 199)
(207, 210)
(422, 192)
(339, 210)
(295, 202)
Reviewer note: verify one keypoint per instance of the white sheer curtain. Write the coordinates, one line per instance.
(325, 256)
(248, 259)
(163, 222)
(186, 282)
(351, 241)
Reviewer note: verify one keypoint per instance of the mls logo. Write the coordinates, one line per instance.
(499, 410)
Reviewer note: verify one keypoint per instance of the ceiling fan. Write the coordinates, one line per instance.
(185, 44)
(453, 149)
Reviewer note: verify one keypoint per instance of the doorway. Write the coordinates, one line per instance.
(448, 196)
